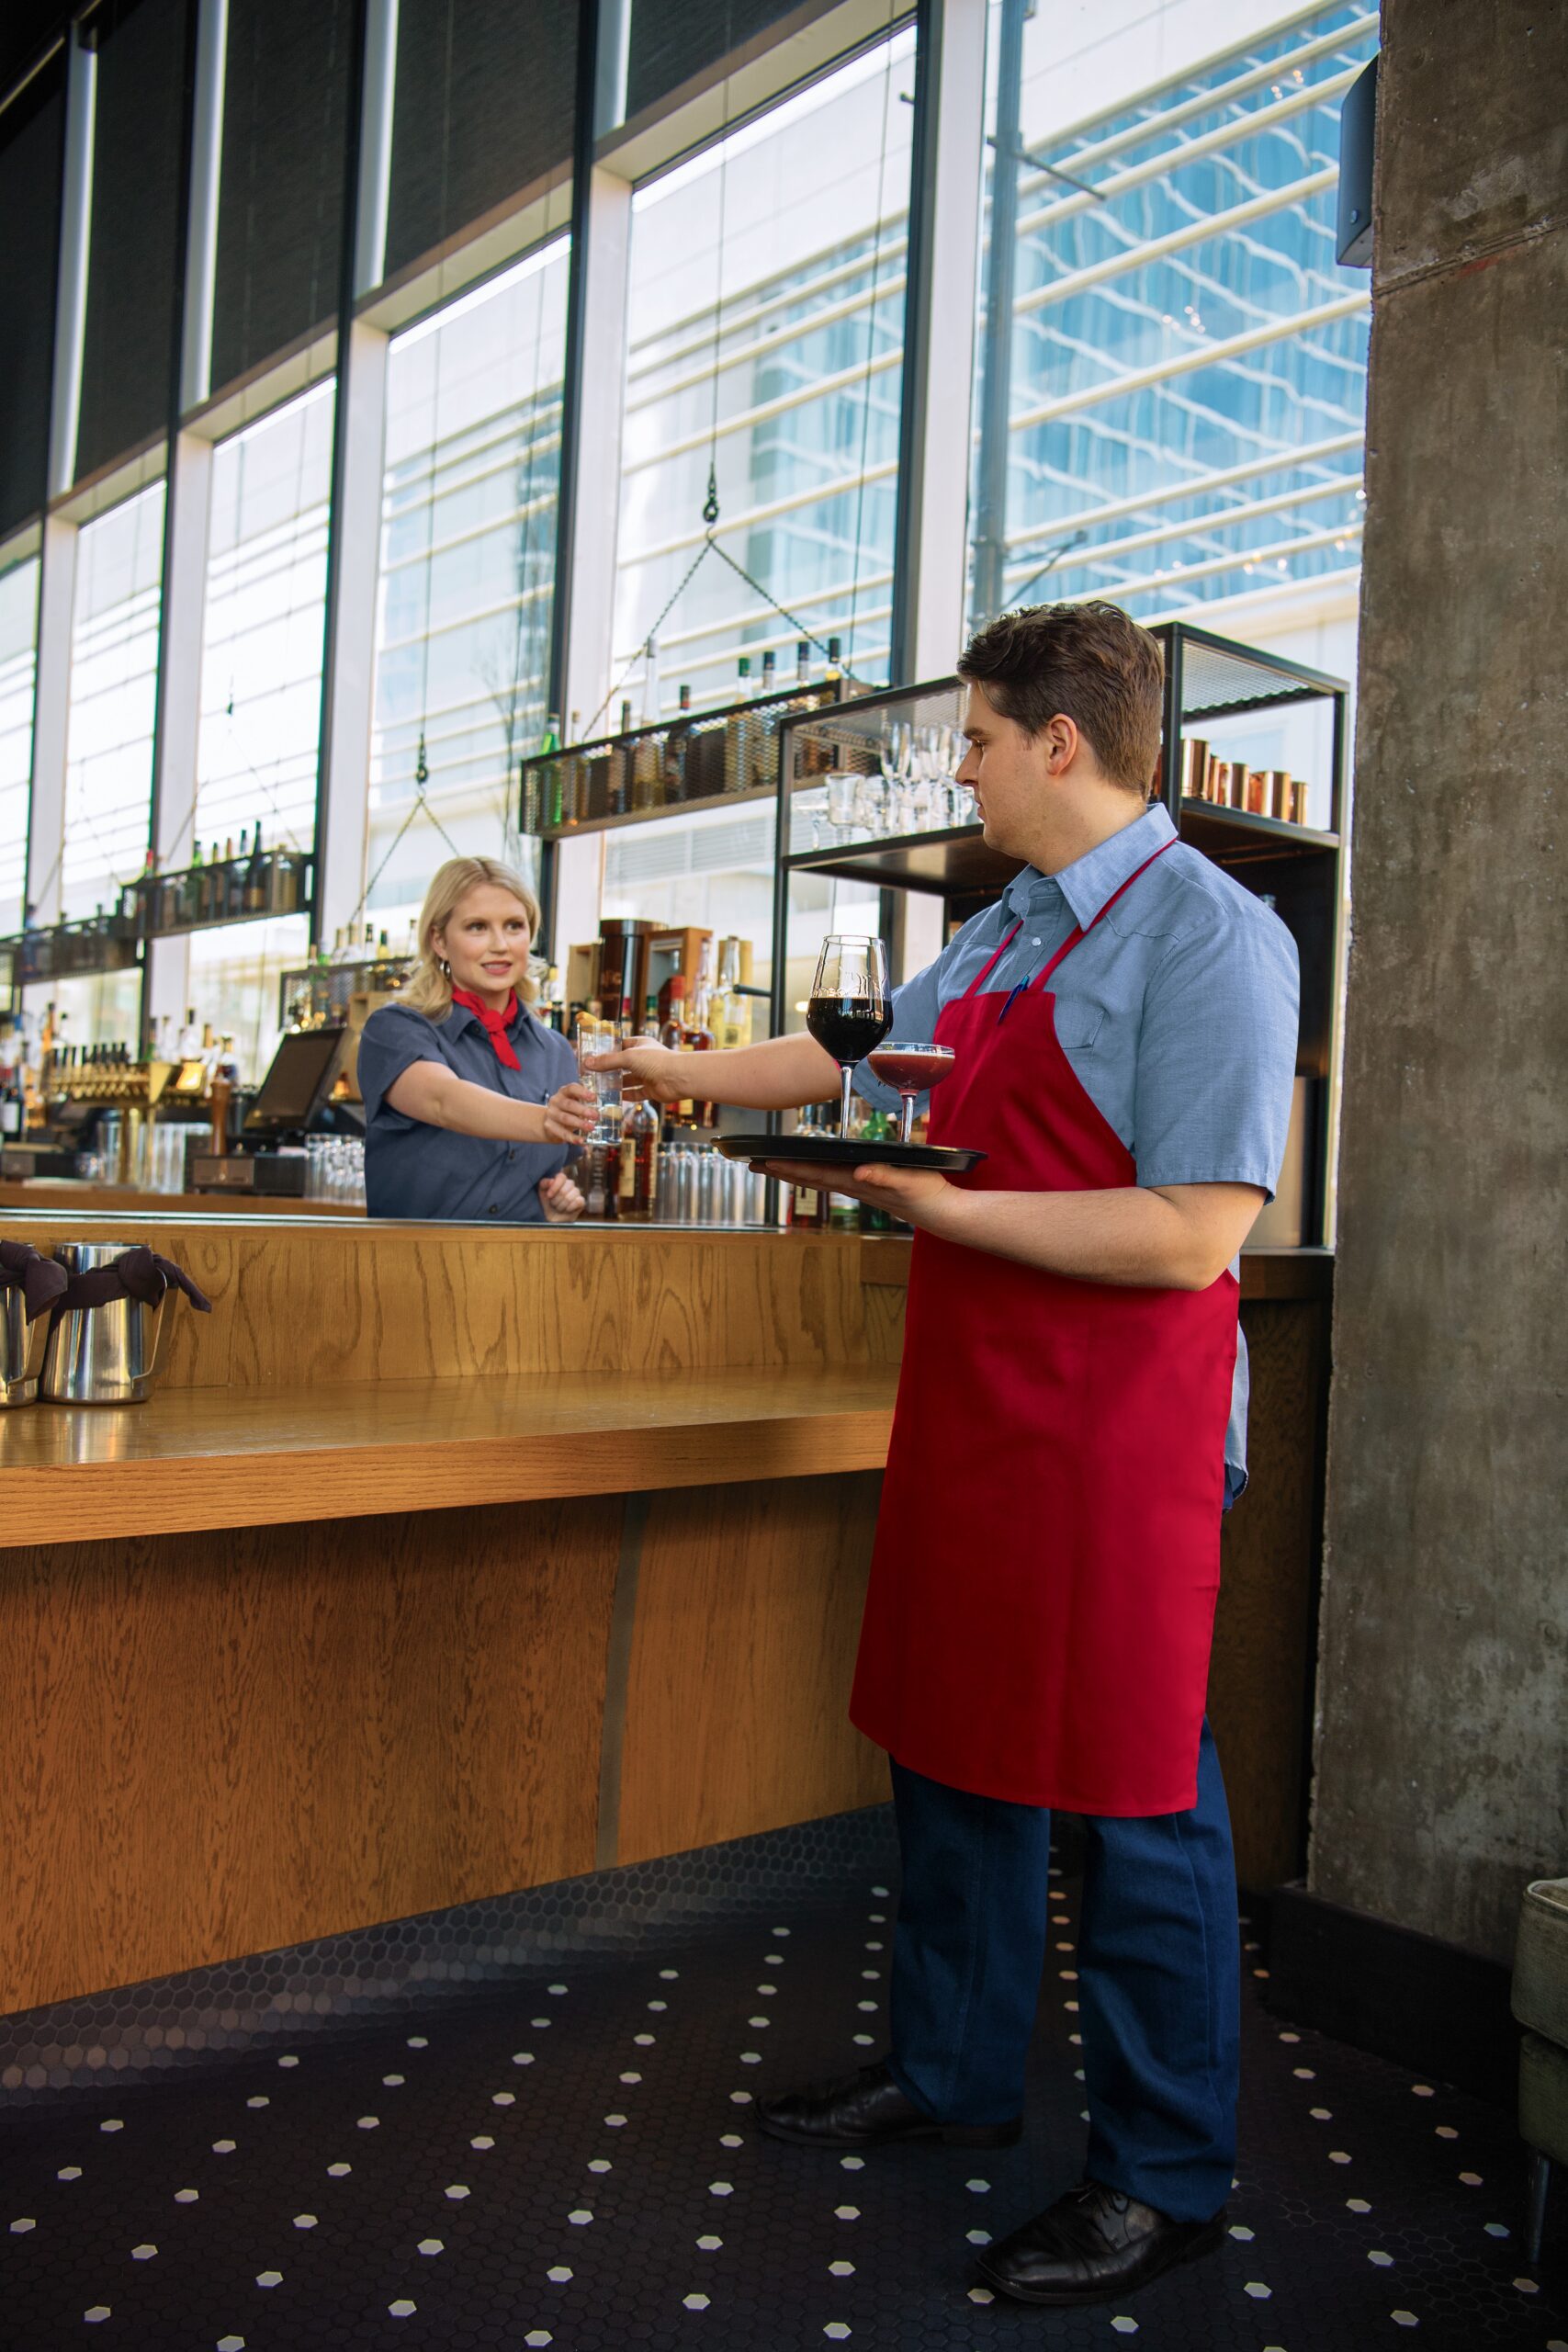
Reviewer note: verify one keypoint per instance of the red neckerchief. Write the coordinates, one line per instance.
(495, 1022)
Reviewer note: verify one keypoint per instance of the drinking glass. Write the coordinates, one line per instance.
(599, 1038)
(914, 1070)
(841, 788)
(851, 1007)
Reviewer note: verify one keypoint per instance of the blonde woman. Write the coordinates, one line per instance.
(472, 1107)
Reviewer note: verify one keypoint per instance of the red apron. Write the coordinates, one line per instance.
(1042, 1596)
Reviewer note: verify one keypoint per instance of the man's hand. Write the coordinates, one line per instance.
(919, 1195)
(651, 1072)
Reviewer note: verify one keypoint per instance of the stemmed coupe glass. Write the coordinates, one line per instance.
(851, 1006)
(914, 1070)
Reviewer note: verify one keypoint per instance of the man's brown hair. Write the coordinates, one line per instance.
(1091, 663)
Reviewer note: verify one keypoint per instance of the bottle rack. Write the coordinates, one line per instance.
(691, 761)
(223, 891)
(162, 906)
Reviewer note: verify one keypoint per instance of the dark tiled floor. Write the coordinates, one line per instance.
(574, 2164)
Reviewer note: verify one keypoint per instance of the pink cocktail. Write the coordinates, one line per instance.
(914, 1070)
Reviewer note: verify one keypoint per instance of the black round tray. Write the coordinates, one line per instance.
(833, 1152)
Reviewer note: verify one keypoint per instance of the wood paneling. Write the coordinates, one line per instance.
(209, 1751)
(748, 1614)
(311, 1305)
(237, 1458)
(1261, 1678)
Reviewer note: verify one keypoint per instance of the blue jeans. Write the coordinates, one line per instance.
(1158, 1987)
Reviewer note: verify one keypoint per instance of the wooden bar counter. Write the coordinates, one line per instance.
(447, 1561)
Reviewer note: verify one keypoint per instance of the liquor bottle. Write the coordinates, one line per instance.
(625, 727)
(652, 710)
(806, 1204)
(639, 1163)
(254, 892)
(803, 662)
(743, 679)
(770, 672)
(650, 1018)
(12, 1113)
(731, 1014)
(697, 1037)
(232, 890)
(672, 1029)
(190, 1036)
(835, 669)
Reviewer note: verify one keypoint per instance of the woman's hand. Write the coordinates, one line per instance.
(571, 1114)
(561, 1200)
(652, 1073)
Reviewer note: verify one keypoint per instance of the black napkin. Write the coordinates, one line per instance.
(40, 1280)
(138, 1274)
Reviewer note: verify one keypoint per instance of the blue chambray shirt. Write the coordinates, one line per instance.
(416, 1170)
(1179, 1014)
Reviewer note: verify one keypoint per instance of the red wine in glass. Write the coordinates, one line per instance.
(914, 1070)
(851, 1006)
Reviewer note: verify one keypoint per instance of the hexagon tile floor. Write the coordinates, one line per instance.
(572, 2162)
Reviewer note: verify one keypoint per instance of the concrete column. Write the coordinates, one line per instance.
(51, 707)
(590, 569)
(351, 690)
(375, 143)
(205, 171)
(1442, 1740)
(939, 327)
(179, 702)
(76, 229)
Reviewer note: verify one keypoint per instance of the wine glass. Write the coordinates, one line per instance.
(851, 1007)
(914, 1070)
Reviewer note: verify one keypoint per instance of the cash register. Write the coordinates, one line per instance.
(291, 1102)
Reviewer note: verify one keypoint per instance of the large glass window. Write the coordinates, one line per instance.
(19, 665)
(261, 697)
(1184, 361)
(765, 333)
(114, 675)
(467, 573)
(265, 604)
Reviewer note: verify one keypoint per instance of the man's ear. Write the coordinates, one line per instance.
(1060, 740)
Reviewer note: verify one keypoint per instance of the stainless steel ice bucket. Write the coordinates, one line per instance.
(21, 1349)
(99, 1355)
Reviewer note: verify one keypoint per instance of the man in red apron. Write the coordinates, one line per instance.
(1069, 1428)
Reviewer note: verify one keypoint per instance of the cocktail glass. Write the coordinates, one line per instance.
(914, 1070)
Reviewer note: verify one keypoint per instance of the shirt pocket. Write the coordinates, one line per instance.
(1078, 1024)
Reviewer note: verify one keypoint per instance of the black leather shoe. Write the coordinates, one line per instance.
(1092, 2247)
(866, 2110)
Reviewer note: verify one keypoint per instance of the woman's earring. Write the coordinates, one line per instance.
(444, 967)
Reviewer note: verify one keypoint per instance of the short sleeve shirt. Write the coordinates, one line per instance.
(413, 1170)
(1179, 1013)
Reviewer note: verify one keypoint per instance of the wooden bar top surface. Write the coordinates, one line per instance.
(245, 1457)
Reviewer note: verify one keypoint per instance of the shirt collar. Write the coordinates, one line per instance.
(1096, 877)
(463, 1013)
